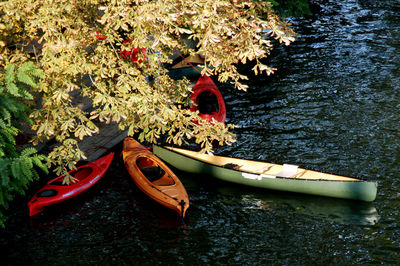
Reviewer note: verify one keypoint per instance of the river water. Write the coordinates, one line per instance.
(333, 106)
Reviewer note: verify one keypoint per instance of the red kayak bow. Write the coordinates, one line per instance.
(208, 100)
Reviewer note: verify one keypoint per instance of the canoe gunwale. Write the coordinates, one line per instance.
(354, 179)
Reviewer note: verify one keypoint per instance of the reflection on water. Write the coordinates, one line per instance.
(346, 212)
(332, 106)
(311, 207)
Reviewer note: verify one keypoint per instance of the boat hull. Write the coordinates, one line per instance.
(352, 188)
(165, 188)
(55, 192)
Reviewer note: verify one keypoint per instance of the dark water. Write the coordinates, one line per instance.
(334, 105)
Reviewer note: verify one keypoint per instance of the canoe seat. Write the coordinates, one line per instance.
(288, 170)
(152, 173)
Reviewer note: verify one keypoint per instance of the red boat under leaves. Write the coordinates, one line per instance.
(133, 54)
(55, 191)
(208, 100)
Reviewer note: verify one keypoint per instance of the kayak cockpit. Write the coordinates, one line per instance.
(207, 103)
(153, 172)
(78, 176)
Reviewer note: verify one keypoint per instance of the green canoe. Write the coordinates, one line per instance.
(267, 175)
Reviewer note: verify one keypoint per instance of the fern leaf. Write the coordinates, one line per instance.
(3, 124)
(7, 137)
(5, 178)
(26, 79)
(13, 89)
(5, 115)
(10, 150)
(28, 152)
(9, 76)
(16, 169)
(27, 95)
(27, 67)
(38, 162)
(4, 163)
(35, 174)
(37, 72)
(26, 166)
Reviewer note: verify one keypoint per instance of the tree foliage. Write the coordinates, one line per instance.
(60, 36)
(17, 169)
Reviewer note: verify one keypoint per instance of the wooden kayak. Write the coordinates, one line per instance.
(154, 178)
(208, 100)
(267, 175)
(56, 192)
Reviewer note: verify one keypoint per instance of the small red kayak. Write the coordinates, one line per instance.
(208, 100)
(56, 192)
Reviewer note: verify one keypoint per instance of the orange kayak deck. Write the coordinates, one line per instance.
(154, 178)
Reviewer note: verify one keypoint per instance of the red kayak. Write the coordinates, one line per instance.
(56, 192)
(208, 100)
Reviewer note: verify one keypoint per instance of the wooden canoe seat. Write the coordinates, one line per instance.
(288, 170)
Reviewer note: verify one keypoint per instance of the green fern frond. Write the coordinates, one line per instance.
(3, 124)
(10, 150)
(7, 136)
(9, 75)
(30, 68)
(16, 170)
(4, 179)
(26, 79)
(4, 163)
(28, 152)
(37, 72)
(12, 88)
(35, 174)
(26, 166)
(27, 95)
(5, 115)
(37, 160)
